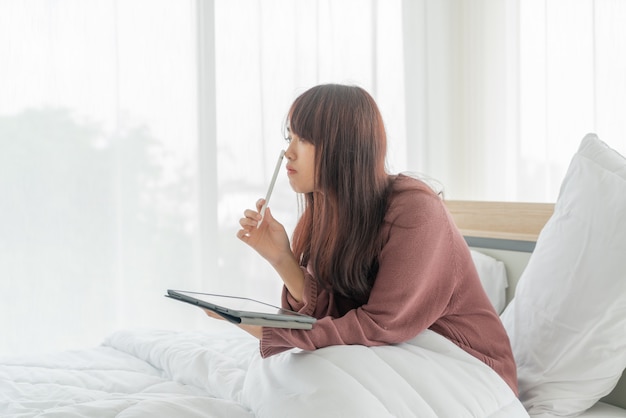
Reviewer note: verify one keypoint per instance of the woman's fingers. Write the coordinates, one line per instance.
(251, 214)
(262, 234)
(212, 314)
(242, 234)
(250, 220)
(248, 223)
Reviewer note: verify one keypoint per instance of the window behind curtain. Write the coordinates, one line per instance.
(98, 169)
(103, 169)
(106, 183)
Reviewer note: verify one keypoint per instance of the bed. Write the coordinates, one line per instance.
(506, 233)
(564, 369)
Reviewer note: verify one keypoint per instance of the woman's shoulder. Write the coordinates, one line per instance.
(412, 199)
(406, 185)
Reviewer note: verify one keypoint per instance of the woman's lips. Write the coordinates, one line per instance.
(290, 170)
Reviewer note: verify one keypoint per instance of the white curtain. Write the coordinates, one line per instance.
(134, 133)
(98, 169)
(500, 93)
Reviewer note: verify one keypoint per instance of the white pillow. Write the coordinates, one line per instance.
(492, 275)
(567, 322)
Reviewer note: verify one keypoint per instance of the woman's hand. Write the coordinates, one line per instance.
(269, 238)
(254, 330)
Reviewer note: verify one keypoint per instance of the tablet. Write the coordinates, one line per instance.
(241, 310)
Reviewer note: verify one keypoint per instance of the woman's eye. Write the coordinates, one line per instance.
(288, 139)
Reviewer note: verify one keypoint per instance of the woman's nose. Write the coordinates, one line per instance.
(289, 154)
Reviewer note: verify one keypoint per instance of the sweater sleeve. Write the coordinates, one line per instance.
(314, 300)
(413, 288)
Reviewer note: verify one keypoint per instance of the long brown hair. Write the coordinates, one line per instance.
(338, 234)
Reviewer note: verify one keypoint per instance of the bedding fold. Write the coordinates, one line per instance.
(221, 374)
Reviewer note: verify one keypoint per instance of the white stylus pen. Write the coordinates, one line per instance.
(271, 188)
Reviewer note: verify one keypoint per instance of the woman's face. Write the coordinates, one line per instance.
(300, 164)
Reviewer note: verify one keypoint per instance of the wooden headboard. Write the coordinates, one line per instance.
(500, 220)
(508, 231)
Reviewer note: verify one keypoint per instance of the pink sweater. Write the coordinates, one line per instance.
(426, 279)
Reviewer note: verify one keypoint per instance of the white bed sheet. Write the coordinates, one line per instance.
(113, 381)
(206, 374)
(603, 410)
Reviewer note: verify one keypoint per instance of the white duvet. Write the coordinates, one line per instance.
(204, 374)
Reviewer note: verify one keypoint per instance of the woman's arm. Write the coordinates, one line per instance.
(415, 282)
(292, 275)
(270, 240)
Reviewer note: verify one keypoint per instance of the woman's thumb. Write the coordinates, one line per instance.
(267, 216)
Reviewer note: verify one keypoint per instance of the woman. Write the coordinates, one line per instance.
(375, 257)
